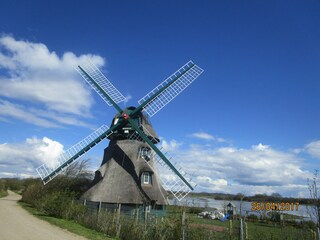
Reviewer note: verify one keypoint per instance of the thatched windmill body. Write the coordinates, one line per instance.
(129, 173)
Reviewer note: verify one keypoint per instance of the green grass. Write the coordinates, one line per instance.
(258, 230)
(3, 194)
(66, 224)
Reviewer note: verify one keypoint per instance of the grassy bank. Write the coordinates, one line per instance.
(66, 224)
(3, 193)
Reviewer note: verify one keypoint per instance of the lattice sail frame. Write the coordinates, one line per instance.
(71, 154)
(169, 179)
(173, 90)
(102, 81)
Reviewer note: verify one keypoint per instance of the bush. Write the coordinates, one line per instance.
(195, 210)
(309, 224)
(253, 218)
(56, 204)
(32, 194)
(14, 184)
(2, 185)
(275, 216)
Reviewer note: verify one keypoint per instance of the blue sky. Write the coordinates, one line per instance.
(249, 123)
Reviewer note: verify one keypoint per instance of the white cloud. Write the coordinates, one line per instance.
(15, 175)
(23, 158)
(169, 146)
(313, 149)
(34, 74)
(210, 185)
(231, 169)
(260, 147)
(207, 137)
(19, 112)
(128, 98)
(203, 135)
(45, 150)
(49, 119)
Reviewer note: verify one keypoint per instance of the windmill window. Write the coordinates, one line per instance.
(145, 153)
(146, 178)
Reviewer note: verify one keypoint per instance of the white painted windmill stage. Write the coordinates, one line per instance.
(134, 171)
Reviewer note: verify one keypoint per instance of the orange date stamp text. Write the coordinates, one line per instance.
(279, 206)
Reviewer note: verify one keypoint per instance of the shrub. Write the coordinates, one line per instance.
(195, 210)
(32, 194)
(309, 224)
(275, 216)
(14, 184)
(56, 204)
(2, 185)
(76, 212)
(253, 218)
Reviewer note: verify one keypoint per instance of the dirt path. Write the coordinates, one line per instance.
(16, 223)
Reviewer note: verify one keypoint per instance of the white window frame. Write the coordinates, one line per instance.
(146, 178)
(145, 153)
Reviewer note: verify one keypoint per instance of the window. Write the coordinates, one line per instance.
(146, 178)
(145, 153)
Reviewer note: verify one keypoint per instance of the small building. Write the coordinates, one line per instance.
(232, 210)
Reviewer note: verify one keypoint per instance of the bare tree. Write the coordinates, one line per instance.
(79, 169)
(314, 190)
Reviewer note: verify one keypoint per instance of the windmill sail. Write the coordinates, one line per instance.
(100, 83)
(166, 91)
(170, 180)
(47, 173)
(179, 186)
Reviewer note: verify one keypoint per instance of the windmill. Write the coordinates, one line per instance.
(129, 173)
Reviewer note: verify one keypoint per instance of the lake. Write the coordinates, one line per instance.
(246, 207)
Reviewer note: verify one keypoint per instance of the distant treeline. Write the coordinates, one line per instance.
(275, 197)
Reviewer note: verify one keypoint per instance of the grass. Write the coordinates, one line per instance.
(66, 224)
(257, 230)
(3, 194)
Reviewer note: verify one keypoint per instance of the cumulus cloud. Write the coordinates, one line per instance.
(31, 73)
(169, 146)
(313, 149)
(257, 169)
(210, 185)
(21, 159)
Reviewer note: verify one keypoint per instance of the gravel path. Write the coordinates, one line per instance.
(16, 223)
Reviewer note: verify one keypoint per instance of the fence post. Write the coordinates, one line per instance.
(230, 227)
(84, 202)
(118, 220)
(246, 232)
(241, 229)
(145, 218)
(99, 207)
(183, 225)
(137, 216)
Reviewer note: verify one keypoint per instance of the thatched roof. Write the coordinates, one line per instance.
(118, 180)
